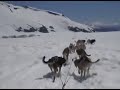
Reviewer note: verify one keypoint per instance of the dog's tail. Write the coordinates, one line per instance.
(96, 61)
(44, 60)
(88, 55)
(47, 62)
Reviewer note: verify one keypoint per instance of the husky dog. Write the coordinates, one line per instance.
(92, 41)
(66, 53)
(72, 48)
(81, 53)
(84, 64)
(54, 63)
(80, 44)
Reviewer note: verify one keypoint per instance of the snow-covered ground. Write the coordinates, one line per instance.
(21, 63)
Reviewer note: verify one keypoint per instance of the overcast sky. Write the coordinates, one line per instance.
(80, 11)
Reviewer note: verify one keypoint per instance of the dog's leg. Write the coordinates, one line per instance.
(79, 56)
(88, 73)
(66, 63)
(67, 57)
(81, 73)
(54, 78)
(59, 73)
(84, 72)
(50, 68)
(74, 50)
(54, 75)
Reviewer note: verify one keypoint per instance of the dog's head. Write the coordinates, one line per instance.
(83, 41)
(93, 40)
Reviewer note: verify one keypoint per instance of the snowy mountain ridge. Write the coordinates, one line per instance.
(28, 19)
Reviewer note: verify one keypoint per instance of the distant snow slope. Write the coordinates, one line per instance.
(103, 27)
(21, 63)
(13, 18)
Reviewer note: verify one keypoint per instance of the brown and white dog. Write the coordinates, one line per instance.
(72, 48)
(66, 53)
(84, 64)
(80, 44)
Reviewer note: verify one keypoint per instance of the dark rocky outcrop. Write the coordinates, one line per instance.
(52, 13)
(16, 8)
(43, 29)
(53, 30)
(19, 29)
(30, 30)
(76, 29)
(51, 27)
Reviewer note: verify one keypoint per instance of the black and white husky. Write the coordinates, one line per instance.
(54, 63)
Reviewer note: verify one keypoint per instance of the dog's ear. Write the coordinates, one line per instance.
(75, 41)
(44, 57)
(72, 59)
